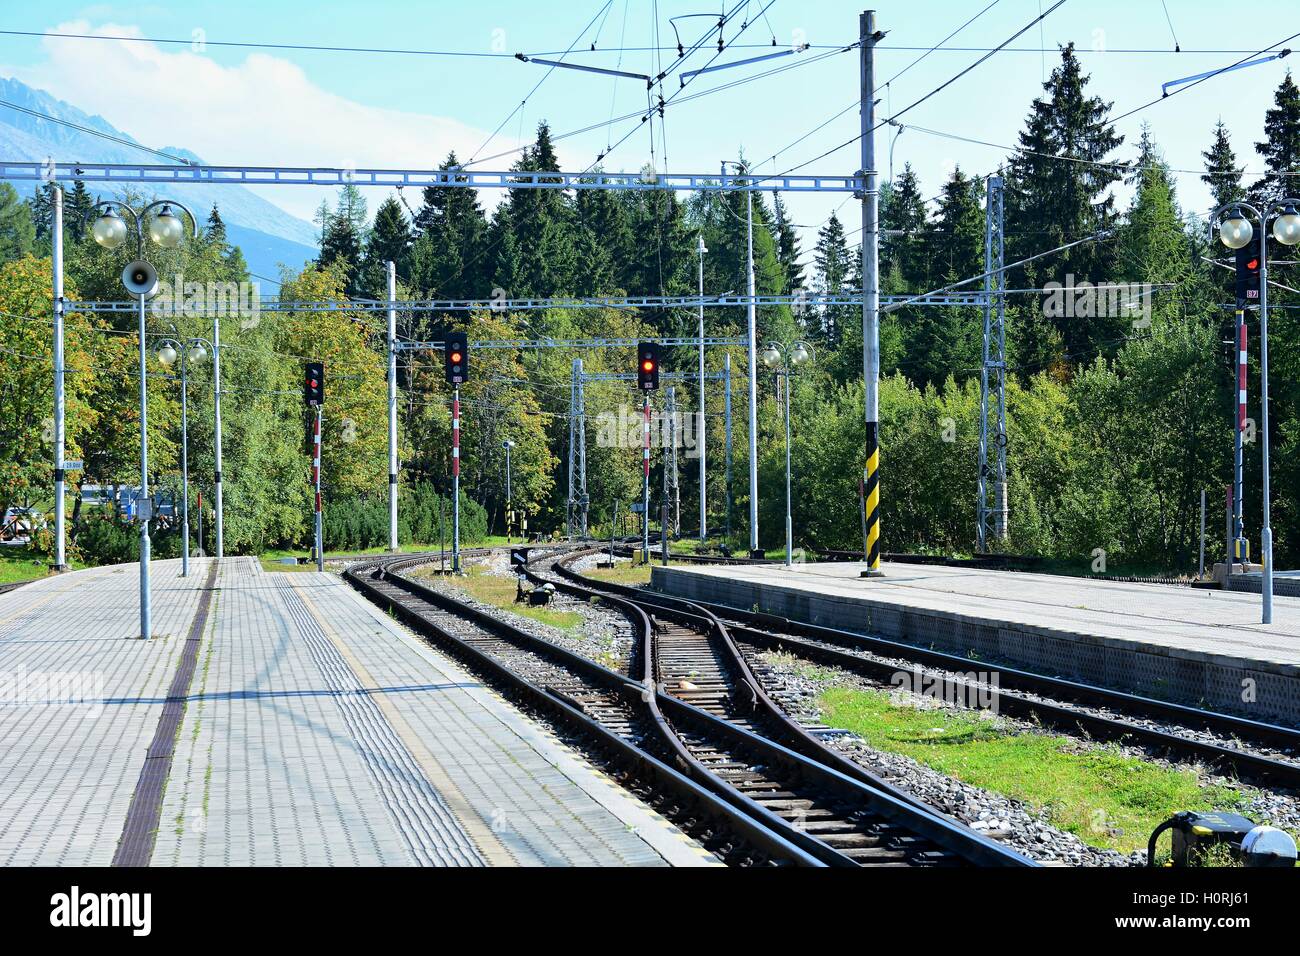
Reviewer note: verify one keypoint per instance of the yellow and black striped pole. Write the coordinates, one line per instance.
(870, 293)
(871, 498)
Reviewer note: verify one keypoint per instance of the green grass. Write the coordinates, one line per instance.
(405, 549)
(20, 564)
(625, 572)
(498, 590)
(273, 564)
(1108, 799)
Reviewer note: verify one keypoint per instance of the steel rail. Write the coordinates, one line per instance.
(691, 802)
(841, 648)
(788, 740)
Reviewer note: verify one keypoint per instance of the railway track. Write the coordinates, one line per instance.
(602, 713)
(749, 748)
(1222, 741)
(746, 797)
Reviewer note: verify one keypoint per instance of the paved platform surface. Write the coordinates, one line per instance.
(921, 603)
(316, 731)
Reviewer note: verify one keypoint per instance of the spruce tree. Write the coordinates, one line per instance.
(787, 245)
(604, 241)
(389, 241)
(957, 247)
(834, 264)
(78, 205)
(1281, 146)
(216, 228)
(1057, 191)
(1222, 174)
(41, 209)
(903, 220)
(449, 258)
(542, 220)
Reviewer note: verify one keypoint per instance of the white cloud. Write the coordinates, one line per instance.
(263, 111)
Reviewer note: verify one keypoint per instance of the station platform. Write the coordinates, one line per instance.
(1198, 647)
(277, 719)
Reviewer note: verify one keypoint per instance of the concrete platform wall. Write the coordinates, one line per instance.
(1164, 673)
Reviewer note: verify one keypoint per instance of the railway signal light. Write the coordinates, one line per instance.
(647, 366)
(313, 387)
(1247, 261)
(456, 356)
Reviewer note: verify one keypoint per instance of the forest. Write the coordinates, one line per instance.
(1115, 425)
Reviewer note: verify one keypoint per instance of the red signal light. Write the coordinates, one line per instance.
(1252, 264)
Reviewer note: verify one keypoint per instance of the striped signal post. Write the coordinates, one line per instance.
(455, 481)
(1240, 547)
(315, 480)
(645, 494)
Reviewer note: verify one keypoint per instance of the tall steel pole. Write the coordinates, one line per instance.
(392, 409)
(789, 518)
(216, 415)
(991, 480)
(509, 508)
(185, 459)
(726, 416)
(571, 498)
(580, 417)
(752, 348)
(870, 292)
(60, 552)
(144, 507)
(1237, 548)
(701, 434)
(1265, 532)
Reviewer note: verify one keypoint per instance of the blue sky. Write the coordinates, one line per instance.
(235, 105)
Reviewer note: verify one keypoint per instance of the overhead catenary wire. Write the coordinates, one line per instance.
(538, 85)
(885, 85)
(195, 43)
(120, 140)
(915, 103)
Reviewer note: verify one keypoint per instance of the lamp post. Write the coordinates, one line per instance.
(784, 360)
(167, 230)
(508, 445)
(1235, 232)
(191, 350)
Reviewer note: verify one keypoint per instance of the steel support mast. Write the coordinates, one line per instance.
(870, 292)
(991, 492)
(701, 436)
